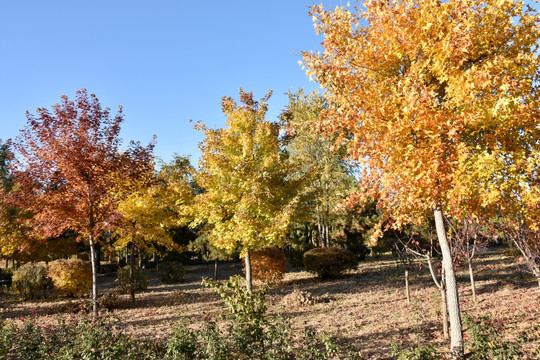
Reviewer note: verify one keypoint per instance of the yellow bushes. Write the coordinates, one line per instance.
(71, 277)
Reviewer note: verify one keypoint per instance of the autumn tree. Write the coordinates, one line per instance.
(70, 169)
(157, 204)
(248, 200)
(15, 238)
(423, 93)
(315, 159)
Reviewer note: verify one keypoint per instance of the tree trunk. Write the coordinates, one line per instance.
(471, 275)
(131, 270)
(215, 269)
(94, 276)
(407, 291)
(456, 327)
(444, 308)
(248, 272)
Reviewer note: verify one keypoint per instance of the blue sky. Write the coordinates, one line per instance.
(165, 61)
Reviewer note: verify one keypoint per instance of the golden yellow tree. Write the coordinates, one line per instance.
(157, 204)
(423, 91)
(247, 200)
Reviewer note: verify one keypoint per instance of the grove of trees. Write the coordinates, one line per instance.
(428, 119)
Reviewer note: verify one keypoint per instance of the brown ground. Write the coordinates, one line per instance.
(367, 309)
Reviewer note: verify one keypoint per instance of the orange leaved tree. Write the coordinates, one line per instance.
(423, 91)
(70, 170)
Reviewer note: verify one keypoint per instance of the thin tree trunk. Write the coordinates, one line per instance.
(444, 303)
(456, 327)
(444, 308)
(248, 272)
(215, 269)
(471, 275)
(94, 276)
(131, 271)
(407, 291)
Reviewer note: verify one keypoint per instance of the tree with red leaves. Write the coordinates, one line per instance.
(71, 170)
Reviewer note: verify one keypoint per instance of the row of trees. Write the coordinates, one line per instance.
(67, 179)
(436, 102)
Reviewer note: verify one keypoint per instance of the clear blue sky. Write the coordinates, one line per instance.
(165, 61)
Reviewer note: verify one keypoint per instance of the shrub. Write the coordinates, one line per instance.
(268, 264)
(7, 332)
(487, 342)
(109, 268)
(422, 352)
(113, 300)
(99, 339)
(329, 262)
(71, 277)
(140, 281)
(31, 281)
(171, 272)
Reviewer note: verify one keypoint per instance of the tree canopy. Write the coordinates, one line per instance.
(71, 169)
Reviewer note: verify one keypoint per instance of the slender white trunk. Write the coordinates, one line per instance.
(248, 272)
(454, 312)
(473, 286)
(444, 308)
(94, 276)
(407, 291)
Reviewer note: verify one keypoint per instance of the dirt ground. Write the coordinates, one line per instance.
(367, 309)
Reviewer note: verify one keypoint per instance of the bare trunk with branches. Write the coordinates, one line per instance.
(454, 311)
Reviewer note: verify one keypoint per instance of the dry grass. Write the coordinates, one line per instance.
(366, 309)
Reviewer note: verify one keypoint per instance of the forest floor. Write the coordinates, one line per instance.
(367, 309)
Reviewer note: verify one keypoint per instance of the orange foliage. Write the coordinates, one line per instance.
(268, 264)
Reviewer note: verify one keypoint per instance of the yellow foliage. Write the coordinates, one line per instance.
(71, 277)
(247, 202)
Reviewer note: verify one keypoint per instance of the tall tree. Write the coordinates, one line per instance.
(12, 231)
(424, 91)
(71, 170)
(315, 159)
(157, 204)
(248, 200)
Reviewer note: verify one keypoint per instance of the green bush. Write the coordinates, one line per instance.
(486, 341)
(71, 277)
(140, 281)
(98, 339)
(7, 332)
(249, 335)
(422, 352)
(31, 281)
(171, 272)
(329, 262)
